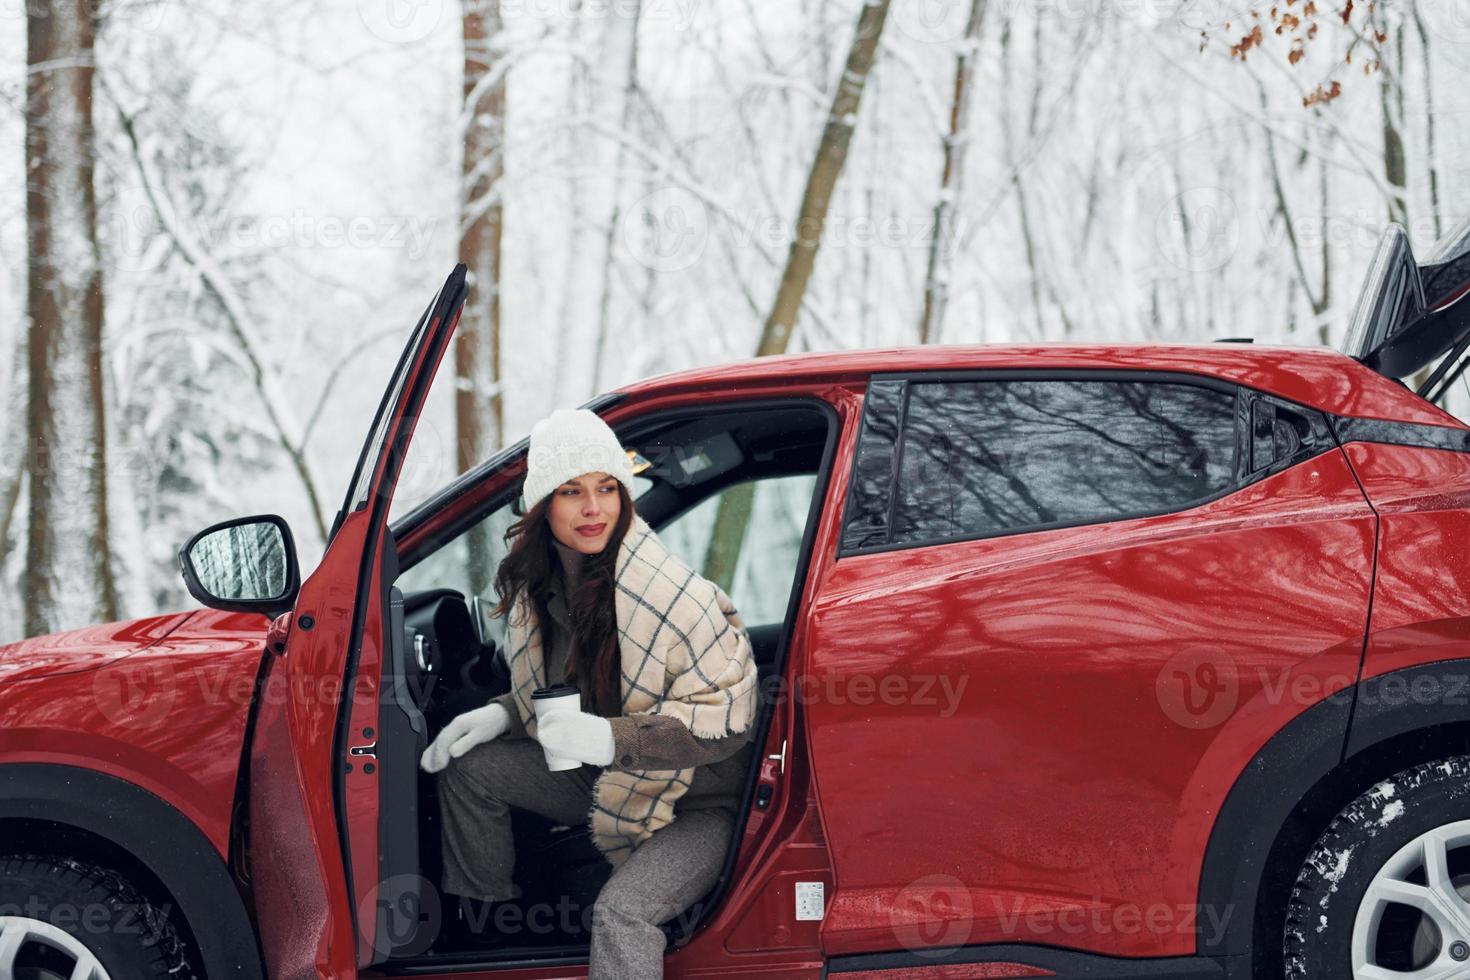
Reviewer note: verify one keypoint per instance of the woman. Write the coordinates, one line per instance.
(668, 688)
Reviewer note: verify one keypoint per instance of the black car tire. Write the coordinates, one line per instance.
(1367, 842)
(102, 911)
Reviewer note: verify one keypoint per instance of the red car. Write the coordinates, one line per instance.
(1078, 661)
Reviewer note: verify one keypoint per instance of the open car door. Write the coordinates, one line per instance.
(316, 774)
(1411, 314)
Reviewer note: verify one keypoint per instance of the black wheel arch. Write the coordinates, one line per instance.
(158, 837)
(1305, 774)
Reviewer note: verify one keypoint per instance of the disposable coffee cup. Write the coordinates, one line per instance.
(556, 699)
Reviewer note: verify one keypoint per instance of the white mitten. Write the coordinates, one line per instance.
(577, 735)
(463, 733)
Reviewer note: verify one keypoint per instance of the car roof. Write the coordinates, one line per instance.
(1320, 377)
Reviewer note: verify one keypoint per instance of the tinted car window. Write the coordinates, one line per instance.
(990, 457)
(866, 519)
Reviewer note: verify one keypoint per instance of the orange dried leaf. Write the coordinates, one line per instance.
(1251, 40)
(1323, 95)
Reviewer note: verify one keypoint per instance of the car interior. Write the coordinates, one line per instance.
(770, 460)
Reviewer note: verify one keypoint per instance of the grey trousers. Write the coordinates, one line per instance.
(663, 877)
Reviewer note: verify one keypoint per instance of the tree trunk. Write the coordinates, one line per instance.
(68, 578)
(605, 329)
(1283, 208)
(594, 204)
(734, 512)
(1429, 139)
(936, 281)
(479, 403)
(1324, 335)
(728, 537)
(1023, 213)
(1395, 162)
(9, 496)
(822, 180)
(12, 445)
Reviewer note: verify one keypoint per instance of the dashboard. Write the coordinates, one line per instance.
(449, 667)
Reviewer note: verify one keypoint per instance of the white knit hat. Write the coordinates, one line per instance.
(566, 444)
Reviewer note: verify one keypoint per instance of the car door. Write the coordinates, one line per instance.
(766, 918)
(315, 779)
(1066, 611)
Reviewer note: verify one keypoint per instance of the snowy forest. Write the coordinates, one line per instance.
(219, 221)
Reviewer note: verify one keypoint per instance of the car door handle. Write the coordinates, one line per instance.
(781, 758)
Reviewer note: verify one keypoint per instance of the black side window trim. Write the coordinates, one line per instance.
(1245, 399)
(1413, 434)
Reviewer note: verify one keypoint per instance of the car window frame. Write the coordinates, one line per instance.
(1242, 474)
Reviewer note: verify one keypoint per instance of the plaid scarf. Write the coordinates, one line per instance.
(684, 651)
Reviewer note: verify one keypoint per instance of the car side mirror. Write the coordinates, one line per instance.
(244, 565)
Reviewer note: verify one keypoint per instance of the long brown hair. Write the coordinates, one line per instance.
(528, 567)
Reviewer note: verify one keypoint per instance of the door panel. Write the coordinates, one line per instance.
(753, 929)
(1423, 501)
(1018, 738)
(309, 900)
